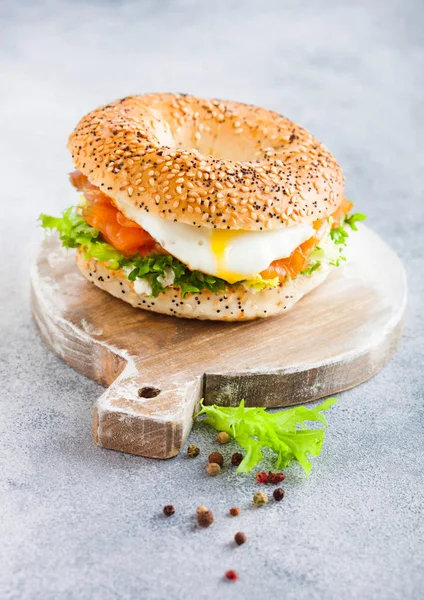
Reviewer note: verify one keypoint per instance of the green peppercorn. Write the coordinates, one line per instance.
(213, 469)
(260, 498)
(223, 437)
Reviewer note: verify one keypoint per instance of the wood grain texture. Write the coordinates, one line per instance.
(158, 367)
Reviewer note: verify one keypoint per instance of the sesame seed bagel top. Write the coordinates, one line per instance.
(210, 163)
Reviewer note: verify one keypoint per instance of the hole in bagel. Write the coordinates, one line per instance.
(224, 145)
(148, 392)
(222, 142)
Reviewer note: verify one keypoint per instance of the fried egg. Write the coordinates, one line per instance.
(232, 255)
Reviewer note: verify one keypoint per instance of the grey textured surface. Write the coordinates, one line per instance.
(80, 522)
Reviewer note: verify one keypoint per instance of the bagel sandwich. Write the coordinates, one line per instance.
(203, 209)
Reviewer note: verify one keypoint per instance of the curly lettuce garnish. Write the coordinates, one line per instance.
(74, 232)
(340, 234)
(283, 432)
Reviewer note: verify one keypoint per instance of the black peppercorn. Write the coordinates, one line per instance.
(236, 459)
(240, 538)
(168, 510)
(278, 494)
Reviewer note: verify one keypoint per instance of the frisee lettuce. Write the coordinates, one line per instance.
(74, 231)
(331, 249)
(312, 267)
(340, 234)
(154, 266)
(259, 283)
(283, 432)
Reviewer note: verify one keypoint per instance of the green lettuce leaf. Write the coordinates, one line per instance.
(153, 267)
(340, 234)
(259, 283)
(314, 265)
(74, 231)
(72, 228)
(283, 432)
(331, 249)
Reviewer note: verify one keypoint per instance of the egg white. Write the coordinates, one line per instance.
(233, 255)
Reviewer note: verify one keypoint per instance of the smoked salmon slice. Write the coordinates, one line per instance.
(118, 231)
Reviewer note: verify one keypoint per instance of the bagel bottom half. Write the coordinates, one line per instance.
(237, 303)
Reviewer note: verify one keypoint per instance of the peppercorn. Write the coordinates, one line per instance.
(223, 437)
(236, 459)
(240, 538)
(213, 469)
(216, 457)
(231, 575)
(204, 516)
(276, 478)
(234, 512)
(260, 498)
(278, 494)
(168, 510)
(261, 477)
(193, 450)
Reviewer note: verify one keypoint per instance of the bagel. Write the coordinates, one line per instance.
(209, 163)
(206, 209)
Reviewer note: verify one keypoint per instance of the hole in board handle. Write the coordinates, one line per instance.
(148, 392)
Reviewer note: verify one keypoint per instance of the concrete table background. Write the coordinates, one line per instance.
(80, 522)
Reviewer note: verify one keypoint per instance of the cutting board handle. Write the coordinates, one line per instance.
(143, 417)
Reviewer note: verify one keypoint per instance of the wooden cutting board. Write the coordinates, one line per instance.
(158, 367)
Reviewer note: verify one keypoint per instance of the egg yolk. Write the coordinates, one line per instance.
(220, 245)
